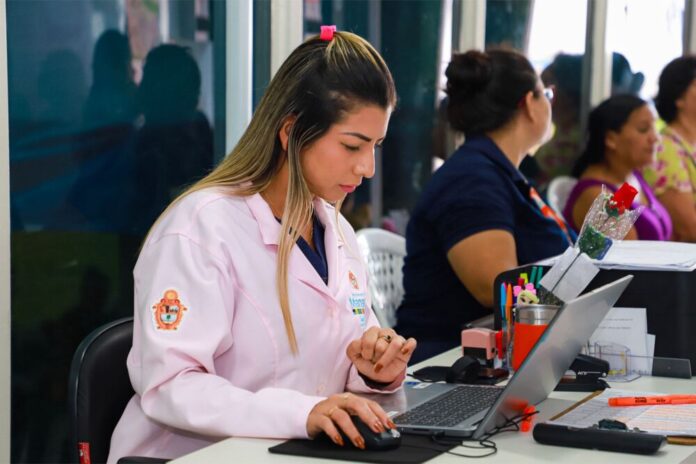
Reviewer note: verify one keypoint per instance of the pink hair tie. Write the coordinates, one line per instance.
(327, 32)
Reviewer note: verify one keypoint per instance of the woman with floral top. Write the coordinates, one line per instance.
(673, 174)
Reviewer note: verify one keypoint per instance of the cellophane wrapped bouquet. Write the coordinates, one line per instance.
(609, 219)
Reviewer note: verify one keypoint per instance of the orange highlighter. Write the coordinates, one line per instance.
(652, 400)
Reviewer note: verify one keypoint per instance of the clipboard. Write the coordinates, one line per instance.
(671, 439)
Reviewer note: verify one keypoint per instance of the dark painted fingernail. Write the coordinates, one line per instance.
(338, 440)
(392, 425)
(404, 351)
(378, 367)
(360, 443)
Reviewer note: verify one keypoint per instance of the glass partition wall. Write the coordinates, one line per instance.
(111, 113)
(636, 27)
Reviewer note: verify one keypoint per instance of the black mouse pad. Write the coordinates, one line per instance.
(413, 449)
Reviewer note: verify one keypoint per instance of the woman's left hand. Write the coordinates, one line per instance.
(381, 354)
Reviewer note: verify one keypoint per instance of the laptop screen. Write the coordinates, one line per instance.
(553, 353)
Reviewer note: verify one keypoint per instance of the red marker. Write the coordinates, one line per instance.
(652, 400)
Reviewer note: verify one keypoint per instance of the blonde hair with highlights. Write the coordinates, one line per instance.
(317, 84)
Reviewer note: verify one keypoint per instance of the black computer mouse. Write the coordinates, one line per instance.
(387, 440)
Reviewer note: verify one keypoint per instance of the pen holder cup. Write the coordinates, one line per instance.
(530, 323)
(616, 355)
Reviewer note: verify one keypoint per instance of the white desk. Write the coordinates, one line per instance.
(514, 447)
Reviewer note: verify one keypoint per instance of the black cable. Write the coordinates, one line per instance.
(489, 445)
(484, 443)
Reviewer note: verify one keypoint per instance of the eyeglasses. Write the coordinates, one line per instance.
(549, 93)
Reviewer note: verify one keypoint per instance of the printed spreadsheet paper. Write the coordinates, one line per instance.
(673, 420)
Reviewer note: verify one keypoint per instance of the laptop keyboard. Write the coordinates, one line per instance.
(452, 407)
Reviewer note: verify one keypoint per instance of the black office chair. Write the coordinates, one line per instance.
(99, 389)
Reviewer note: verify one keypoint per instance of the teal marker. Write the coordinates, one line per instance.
(539, 274)
(532, 276)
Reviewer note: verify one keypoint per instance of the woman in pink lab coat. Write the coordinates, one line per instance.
(252, 314)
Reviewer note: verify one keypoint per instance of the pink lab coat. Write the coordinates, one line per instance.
(227, 369)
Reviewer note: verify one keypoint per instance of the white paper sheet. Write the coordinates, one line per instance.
(626, 328)
(570, 275)
(645, 255)
(650, 340)
(663, 419)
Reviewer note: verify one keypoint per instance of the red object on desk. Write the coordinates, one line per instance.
(526, 423)
(83, 450)
(525, 336)
(499, 344)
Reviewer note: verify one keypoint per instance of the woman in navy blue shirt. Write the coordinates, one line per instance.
(478, 216)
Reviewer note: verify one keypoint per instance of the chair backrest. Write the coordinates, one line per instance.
(383, 252)
(558, 192)
(99, 387)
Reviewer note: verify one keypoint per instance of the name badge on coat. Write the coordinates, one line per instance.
(357, 301)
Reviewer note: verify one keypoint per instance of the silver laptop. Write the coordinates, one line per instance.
(474, 410)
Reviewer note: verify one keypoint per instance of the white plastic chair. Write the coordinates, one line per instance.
(558, 192)
(383, 252)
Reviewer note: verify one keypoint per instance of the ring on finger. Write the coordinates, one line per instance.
(331, 411)
(386, 337)
(345, 397)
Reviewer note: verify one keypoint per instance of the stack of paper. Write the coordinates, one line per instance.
(645, 255)
(648, 255)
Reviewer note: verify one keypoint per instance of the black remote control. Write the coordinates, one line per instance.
(621, 441)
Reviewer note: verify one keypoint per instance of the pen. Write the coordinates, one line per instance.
(508, 310)
(502, 300)
(540, 272)
(532, 276)
(500, 335)
(652, 400)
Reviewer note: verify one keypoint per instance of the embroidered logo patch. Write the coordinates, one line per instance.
(169, 311)
(353, 280)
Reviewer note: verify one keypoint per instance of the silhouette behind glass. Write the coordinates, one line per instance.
(101, 198)
(111, 98)
(175, 145)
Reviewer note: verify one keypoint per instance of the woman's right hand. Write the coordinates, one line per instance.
(334, 413)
